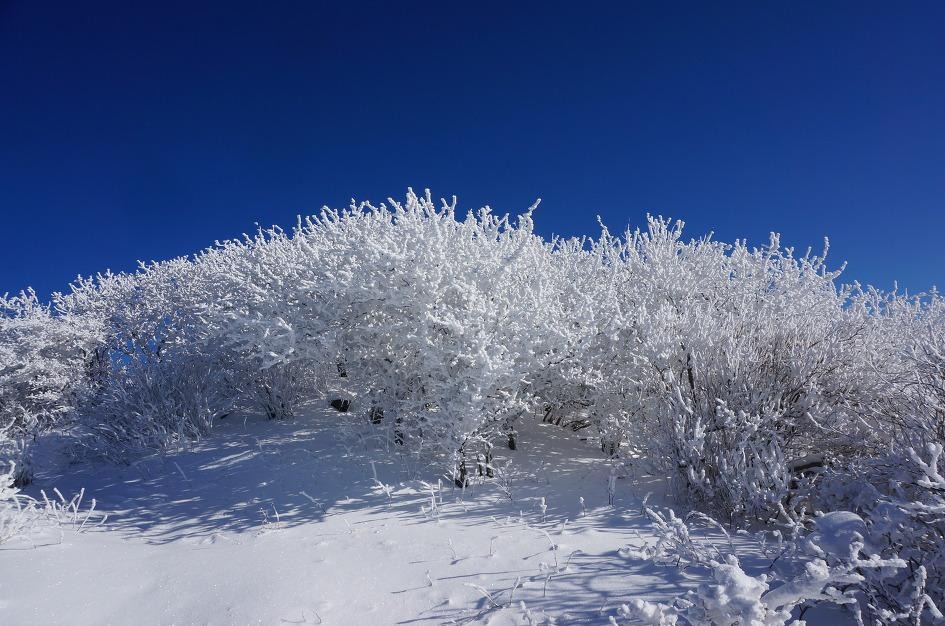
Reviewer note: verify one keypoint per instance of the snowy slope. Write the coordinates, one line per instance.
(275, 523)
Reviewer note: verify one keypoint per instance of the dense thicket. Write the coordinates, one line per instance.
(752, 377)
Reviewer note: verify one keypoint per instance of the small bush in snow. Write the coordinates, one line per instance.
(24, 518)
(836, 563)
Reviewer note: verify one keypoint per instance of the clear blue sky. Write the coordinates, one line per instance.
(147, 130)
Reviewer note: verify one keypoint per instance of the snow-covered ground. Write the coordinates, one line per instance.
(282, 523)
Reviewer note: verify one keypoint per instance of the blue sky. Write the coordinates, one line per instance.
(148, 130)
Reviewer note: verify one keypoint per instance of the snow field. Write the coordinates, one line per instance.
(276, 523)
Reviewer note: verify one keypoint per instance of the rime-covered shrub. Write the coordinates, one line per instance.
(836, 562)
(26, 519)
(431, 319)
(740, 373)
(167, 378)
(898, 488)
(722, 365)
(901, 498)
(49, 364)
(166, 403)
